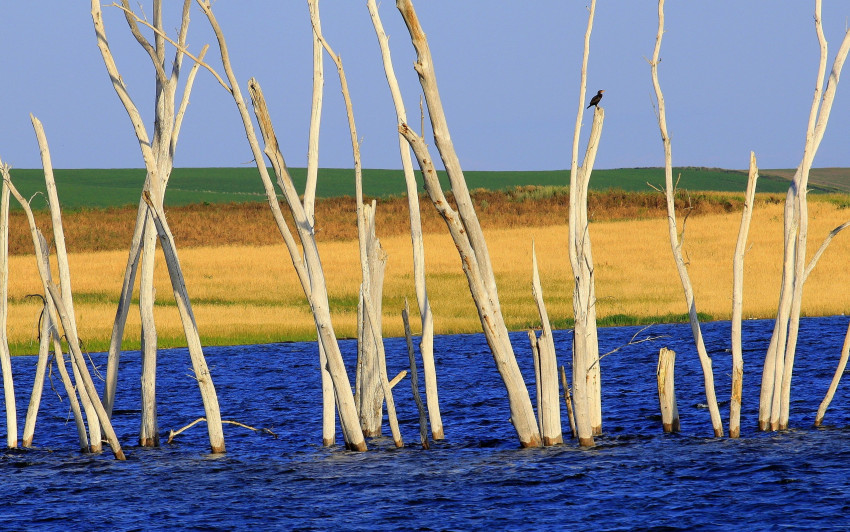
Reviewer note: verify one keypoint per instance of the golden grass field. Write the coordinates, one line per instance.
(248, 293)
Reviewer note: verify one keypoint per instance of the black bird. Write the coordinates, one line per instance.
(595, 100)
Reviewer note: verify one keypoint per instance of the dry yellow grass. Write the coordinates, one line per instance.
(250, 293)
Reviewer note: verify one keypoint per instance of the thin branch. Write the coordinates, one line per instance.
(631, 342)
(173, 433)
(134, 29)
(179, 47)
(823, 247)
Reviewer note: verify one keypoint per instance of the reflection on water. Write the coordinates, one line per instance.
(478, 478)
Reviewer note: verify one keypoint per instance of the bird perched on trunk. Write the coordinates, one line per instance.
(595, 100)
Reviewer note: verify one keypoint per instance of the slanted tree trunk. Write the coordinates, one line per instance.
(466, 233)
(158, 156)
(426, 344)
(775, 400)
(311, 277)
(44, 335)
(676, 241)
(738, 303)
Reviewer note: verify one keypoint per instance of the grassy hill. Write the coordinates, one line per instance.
(92, 188)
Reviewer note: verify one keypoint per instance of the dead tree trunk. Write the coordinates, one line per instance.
(774, 405)
(738, 303)
(466, 233)
(158, 158)
(5, 356)
(426, 344)
(586, 383)
(677, 241)
(549, 404)
(665, 375)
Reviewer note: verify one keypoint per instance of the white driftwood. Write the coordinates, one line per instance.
(549, 409)
(414, 379)
(466, 233)
(676, 242)
(774, 405)
(426, 343)
(667, 390)
(5, 356)
(738, 302)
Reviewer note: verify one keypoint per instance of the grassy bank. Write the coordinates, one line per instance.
(244, 290)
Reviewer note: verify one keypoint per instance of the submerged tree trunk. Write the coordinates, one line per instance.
(466, 233)
(426, 344)
(775, 400)
(586, 377)
(738, 303)
(5, 356)
(549, 404)
(676, 241)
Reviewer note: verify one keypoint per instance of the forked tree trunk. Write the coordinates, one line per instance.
(466, 233)
(676, 241)
(738, 303)
(426, 344)
(775, 400)
(586, 372)
(158, 158)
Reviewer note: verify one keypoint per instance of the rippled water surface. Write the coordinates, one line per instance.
(636, 477)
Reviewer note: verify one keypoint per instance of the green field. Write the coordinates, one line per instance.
(81, 188)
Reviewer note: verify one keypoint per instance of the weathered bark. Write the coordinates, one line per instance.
(774, 406)
(549, 406)
(738, 303)
(158, 157)
(586, 378)
(372, 324)
(676, 242)
(426, 343)
(667, 390)
(466, 233)
(414, 378)
(148, 429)
(5, 356)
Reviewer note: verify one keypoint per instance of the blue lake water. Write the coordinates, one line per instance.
(635, 478)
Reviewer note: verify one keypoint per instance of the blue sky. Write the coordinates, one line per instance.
(737, 76)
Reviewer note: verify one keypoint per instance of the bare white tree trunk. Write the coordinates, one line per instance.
(549, 404)
(426, 345)
(148, 430)
(667, 390)
(586, 377)
(675, 240)
(158, 157)
(738, 302)
(467, 234)
(5, 356)
(312, 280)
(414, 379)
(774, 406)
(38, 380)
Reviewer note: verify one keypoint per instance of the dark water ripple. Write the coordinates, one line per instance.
(635, 478)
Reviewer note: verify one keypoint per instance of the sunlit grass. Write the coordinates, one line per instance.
(249, 294)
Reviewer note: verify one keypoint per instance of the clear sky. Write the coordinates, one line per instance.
(737, 76)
